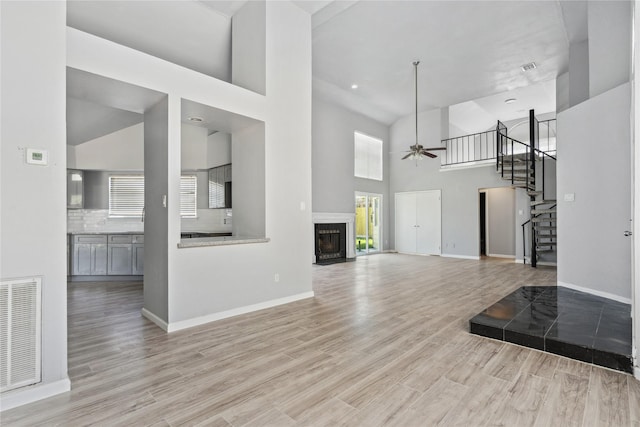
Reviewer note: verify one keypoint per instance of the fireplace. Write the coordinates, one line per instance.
(331, 243)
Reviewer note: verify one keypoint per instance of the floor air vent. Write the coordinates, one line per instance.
(20, 329)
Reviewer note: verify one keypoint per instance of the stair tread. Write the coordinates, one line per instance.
(548, 219)
(545, 227)
(543, 211)
(534, 193)
(543, 202)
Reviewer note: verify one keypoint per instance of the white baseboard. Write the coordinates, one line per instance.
(25, 395)
(155, 319)
(501, 256)
(189, 323)
(636, 373)
(595, 292)
(520, 261)
(476, 258)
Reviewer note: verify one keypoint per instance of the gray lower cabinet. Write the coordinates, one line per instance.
(138, 259)
(114, 254)
(89, 255)
(119, 259)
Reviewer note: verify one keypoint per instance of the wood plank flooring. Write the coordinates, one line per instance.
(383, 343)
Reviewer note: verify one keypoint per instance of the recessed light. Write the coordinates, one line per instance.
(195, 119)
(528, 67)
(354, 86)
(509, 101)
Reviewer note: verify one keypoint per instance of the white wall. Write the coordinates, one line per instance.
(33, 210)
(120, 150)
(204, 281)
(248, 48)
(334, 184)
(609, 51)
(211, 280)
(248, 188)
(460, 200)
(594, 166)
(578, 72)
(218, 149)
(193, 153)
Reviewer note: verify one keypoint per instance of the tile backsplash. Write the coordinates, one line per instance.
(97, 220)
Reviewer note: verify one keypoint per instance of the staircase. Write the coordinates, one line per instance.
(520, 164)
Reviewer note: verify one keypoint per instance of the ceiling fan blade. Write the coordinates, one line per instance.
(407, 156)
(428, 154)
(435, 148)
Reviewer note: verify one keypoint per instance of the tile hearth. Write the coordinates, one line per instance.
(562, 321)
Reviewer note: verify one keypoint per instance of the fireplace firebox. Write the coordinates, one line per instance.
(331, 243)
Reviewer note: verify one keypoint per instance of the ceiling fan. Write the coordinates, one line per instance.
(417, 151)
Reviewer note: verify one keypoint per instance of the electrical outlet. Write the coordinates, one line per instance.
(276, 277)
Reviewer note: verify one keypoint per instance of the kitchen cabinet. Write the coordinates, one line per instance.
(102, 254)
(119, 258)
(89, 255)
(75, 189)
(137, 258)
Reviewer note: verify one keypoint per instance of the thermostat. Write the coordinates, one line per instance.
(36, 156)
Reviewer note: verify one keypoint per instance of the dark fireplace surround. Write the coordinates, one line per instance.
(331, 243)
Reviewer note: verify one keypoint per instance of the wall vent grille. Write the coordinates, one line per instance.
(20, 332)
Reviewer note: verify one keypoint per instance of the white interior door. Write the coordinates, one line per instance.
(406, 223)
(428, 221)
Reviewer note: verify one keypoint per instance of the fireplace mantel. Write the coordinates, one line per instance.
(347, 218)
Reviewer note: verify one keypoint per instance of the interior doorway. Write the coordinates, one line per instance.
(368, 223)
(496, 213)
(483, 223)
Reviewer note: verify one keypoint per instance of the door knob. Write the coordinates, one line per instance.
(628, 233)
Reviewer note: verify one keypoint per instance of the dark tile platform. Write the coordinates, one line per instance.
(562, 321)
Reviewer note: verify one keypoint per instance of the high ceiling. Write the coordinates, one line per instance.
(468, 50)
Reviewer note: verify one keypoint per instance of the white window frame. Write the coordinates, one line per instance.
(137, 204)
(367, 156)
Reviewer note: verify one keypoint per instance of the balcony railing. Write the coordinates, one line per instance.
(482, 146)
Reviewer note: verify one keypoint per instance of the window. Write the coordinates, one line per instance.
(126, 196)
(188, 196)
(368, 156)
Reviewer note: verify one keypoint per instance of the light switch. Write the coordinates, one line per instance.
(520, 212)
(570, 197)
(303, 206)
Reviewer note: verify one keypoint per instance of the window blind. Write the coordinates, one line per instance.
(126, 196)
(368, 157)
(188, 196)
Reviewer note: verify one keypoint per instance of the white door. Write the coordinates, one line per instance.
(428, 221)
(406, 223)
(418, 222)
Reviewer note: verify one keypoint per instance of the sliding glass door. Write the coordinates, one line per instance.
(368, 223)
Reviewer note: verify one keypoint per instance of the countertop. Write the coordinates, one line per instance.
(94, 233)
(220, 241)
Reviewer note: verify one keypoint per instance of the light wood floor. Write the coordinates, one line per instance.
(384, 342)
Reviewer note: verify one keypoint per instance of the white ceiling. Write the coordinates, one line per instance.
(469, 51)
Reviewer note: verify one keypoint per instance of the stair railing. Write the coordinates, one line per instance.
(524, 242)
(469, 148)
